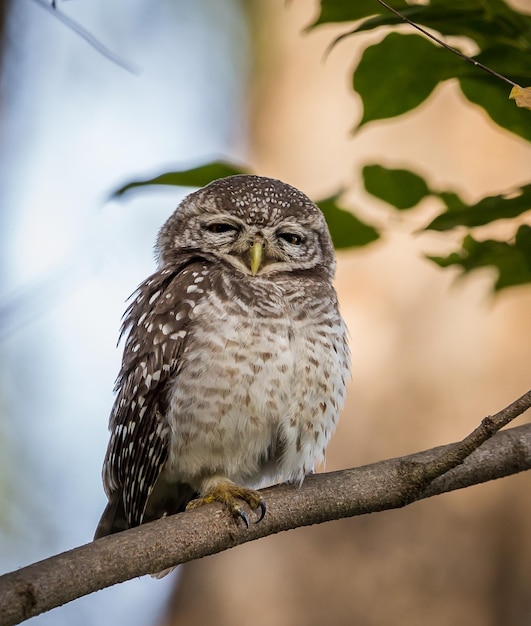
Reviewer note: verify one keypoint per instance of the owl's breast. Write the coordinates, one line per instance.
(257, 391)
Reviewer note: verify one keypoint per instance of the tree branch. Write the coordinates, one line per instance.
(180, 538)
(454, 455)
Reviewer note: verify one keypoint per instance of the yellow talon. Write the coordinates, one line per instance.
(231, 495)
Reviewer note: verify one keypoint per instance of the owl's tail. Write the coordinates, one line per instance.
(113, 519)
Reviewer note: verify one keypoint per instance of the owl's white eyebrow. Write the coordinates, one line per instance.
(293, 227)
(221, 217)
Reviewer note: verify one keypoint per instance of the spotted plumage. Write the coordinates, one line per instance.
(235, 361)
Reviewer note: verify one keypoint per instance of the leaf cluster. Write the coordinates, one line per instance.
(399, 73)
(512, 258)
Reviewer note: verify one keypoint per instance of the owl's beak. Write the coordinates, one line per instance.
(256, 253)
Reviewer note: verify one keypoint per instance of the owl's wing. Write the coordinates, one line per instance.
(156, 321)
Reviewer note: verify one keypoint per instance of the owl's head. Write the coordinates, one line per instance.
(258, 225)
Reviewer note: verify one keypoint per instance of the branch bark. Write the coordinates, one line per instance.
(154, 547)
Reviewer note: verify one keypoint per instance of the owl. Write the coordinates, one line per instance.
(235, 359)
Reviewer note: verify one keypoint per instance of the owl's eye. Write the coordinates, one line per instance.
(292, 238)
(221, 227)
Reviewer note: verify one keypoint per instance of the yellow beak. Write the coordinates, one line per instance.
(256, 256)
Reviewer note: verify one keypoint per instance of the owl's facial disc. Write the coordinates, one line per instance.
(271, 250)
(257, 249)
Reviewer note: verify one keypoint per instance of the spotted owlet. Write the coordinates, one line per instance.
(236, 356)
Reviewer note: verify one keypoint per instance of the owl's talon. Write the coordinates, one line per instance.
(243, 516)
(263, 511)
(230, 495)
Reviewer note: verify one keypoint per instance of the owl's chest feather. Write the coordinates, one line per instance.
(256, 380)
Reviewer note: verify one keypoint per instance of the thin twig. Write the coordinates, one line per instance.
(489, 426)
(88, 37)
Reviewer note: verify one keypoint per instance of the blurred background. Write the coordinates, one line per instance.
(431, 354)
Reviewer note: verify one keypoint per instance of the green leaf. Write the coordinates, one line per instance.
(488, 24)
(451, 199)
(446, 19)
(341, 11)
(195, 177)
(399, 73)
(512, 260)
(401, 188)
(346, 230)
(501, 32)
(486, 210)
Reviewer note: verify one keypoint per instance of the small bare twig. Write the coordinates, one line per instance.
(324, 497)
(422, 474)
(489, 426)
(88, 37)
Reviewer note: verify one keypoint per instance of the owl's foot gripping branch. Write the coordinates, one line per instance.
(232, 496)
